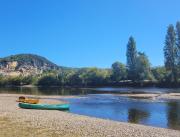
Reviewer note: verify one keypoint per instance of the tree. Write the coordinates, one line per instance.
(118, 72)
(143, 67)
(16, 80)
(178, 44)
(93, 76)
(159, 73)
(131, 58)
(170, 53)
(64, 76)
(75, 79)
(178, 40)
(48, 80)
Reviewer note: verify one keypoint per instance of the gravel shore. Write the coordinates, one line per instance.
(18, 122)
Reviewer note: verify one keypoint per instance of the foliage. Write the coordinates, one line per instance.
(94, 76)
(178, 41)
(118, 72)
(14, 81)
(178, 46)
(159, 73)
(90, 76)
(48, 80)
(27, 80)
(170, 53)
(64, 76)
(131, 58)
(143, 67)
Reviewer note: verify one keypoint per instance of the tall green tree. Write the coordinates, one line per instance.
(131, 58)
(143, 67)
(178, 39)
(118, 72)
(170, 53)
(178, 45)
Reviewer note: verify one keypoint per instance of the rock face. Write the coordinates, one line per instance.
(25, 64)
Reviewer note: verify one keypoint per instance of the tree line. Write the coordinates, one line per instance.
(137, 71)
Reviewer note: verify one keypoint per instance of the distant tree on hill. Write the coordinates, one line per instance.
(131, 58)
(170, 53)
(118, 72)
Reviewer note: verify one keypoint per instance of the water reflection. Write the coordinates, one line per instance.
(136, 115)
(79, 91)
(153, 113)
(173, 115)
(44, 91)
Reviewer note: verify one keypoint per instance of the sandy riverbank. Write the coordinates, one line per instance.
(38, 123)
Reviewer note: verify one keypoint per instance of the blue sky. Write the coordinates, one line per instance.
(82, 33)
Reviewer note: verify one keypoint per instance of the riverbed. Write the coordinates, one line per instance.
(147, 106)
(16, 122)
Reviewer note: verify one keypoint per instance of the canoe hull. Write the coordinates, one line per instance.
(44, 106)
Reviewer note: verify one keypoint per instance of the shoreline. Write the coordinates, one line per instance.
(153, 96)
(58, 123)
(121, 85)
(131, 95)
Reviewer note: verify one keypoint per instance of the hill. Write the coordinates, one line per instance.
(25, 64)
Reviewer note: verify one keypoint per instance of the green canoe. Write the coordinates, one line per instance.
(44, 106)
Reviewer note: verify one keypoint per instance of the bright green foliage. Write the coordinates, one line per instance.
(118, 72)
(159, 73)
(84, 77)
(48, 80)
(94, 76)
(170, 53)
(75, 79)
(64, 76)
(143, 67)
(131, 59)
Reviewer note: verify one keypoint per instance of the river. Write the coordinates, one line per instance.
(107, 104)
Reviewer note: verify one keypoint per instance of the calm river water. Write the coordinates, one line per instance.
(105, 103)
